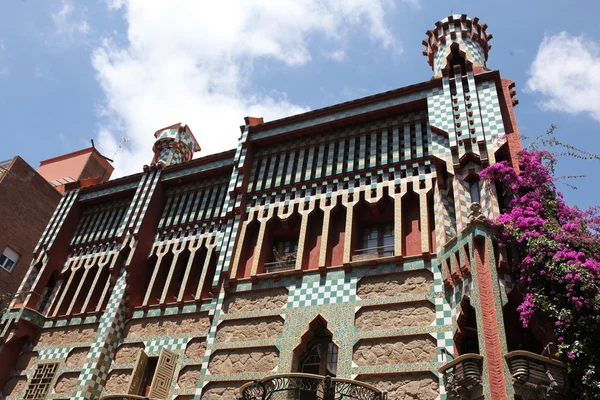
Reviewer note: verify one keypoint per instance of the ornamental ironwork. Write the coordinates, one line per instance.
(308, 387)
(462, 374)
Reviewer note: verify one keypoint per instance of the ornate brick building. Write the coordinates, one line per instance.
(348, 241)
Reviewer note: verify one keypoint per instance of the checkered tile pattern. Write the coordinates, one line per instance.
(153, 348)
(313, 292)
(110, 331)
(53, 354)
(444, 312)
(491, 114)
(445, 340)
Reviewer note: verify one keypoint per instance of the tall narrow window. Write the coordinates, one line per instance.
(474, 190)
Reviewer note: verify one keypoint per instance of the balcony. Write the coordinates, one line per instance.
(283, 262)
(537, 372)
(373, 253)
(308, 387)
(462, 374)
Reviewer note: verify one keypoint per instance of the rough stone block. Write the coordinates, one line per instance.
(413, 282)
(167, 326)
(397, 350)
(393, 316)
(67, 382)
(189, 377)
(196, 348)
(250, 329)
(77, 357)
(118, 380)
(409, 386)
(236, 361)
(220, 390)
(62, 337)
(127, 353)
(256, 301)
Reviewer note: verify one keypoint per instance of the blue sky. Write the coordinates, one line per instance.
(74, 71)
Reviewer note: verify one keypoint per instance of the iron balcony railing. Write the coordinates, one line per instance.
(538, 372)
(373, 252)
(308, 387)
(462, 374)
(283, 262)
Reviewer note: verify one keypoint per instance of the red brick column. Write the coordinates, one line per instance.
(494, 359)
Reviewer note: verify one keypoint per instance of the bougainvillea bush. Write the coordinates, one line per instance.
(559, 262)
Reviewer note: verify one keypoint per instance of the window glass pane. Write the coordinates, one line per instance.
(474, 189)
(2, 260)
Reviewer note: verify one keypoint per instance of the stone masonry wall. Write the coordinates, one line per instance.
(67, 336)
(236, 361)
(127, 353)
(250, 329)
(412, 386)
(387, 351)
(77, 357)
(404, 283)
(392, 316)
(66, 382)
(221, 390)
(195, 348)
(256, 301)
(167, 326)
(118, 380)
(189, 377)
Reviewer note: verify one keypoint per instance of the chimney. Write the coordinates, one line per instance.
(174, 144)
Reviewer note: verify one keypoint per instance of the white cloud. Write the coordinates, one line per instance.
(566, 71)
(337, 55)
(193, 62)
(68, 24)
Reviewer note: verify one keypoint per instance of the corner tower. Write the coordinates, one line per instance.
(457, 40)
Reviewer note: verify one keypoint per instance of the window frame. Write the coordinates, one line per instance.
(9, 255)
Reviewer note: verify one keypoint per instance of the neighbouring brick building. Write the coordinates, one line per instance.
(349, 241)
(26, 204)
(28, 199)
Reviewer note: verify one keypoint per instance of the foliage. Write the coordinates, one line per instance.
(559, 266)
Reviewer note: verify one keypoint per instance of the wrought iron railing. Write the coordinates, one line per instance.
(462, 374)
(123, 397)
(308, 387)
(279, 266)
(373, 252)
(537, 372)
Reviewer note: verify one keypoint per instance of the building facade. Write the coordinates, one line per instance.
(27, 201)
(349, 241)
(26, 204)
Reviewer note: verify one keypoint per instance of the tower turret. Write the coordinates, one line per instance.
(174, 144)
(457, 40)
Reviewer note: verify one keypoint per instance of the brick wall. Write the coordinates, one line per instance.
(26, 204)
